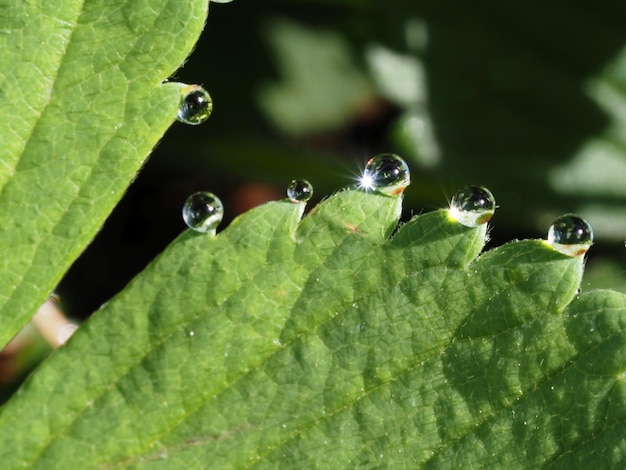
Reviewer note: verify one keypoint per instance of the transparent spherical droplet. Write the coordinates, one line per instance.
(203, 212)
(299, 191)
(473, 206)
(386, 173)
(571, 235)
(195, 105)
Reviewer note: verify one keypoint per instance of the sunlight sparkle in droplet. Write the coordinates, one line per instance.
(473, 206)
(366, 182)
(386, 173)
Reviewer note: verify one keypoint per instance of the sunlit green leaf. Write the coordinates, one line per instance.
(324, 343)
(81, 105)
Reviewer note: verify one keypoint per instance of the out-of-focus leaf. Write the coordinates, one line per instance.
(413, 135)
(401, 79)
(605, 273)
(529, 100)
(596, 170)
(321, 88)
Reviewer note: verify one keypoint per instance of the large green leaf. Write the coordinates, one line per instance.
(324, 342)
(278, 342)
(82, 103)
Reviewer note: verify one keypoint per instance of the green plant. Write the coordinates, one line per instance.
(337, 340)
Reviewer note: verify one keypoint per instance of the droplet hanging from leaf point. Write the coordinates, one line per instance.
(195, 105)
(386, 173)
(203, 212)
(473, 206)
(299, 191)
(571, 235)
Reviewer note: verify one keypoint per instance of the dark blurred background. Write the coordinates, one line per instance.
(526, 98)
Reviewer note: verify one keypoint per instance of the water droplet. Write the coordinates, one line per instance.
(386, 173)
(299, 191)
(473, 206)
(195, 105)
(571, 235)
(203, 212)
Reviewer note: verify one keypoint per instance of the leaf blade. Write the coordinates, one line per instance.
(94, 113)
(255, 351)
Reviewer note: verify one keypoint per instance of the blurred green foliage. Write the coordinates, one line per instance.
(528, 99)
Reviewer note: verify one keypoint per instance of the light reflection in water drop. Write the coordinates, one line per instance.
(195, 105)
(386, 173)
(203, 212)
(571, 235)
(473, 206)
(299, 191)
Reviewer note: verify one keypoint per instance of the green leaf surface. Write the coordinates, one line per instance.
(323, 342)
(81, 105)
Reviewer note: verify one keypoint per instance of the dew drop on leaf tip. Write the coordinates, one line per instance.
(571, 235)
(299, 191)
(473, 206)
(195, 105)
(203, 212)
(386, 173)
